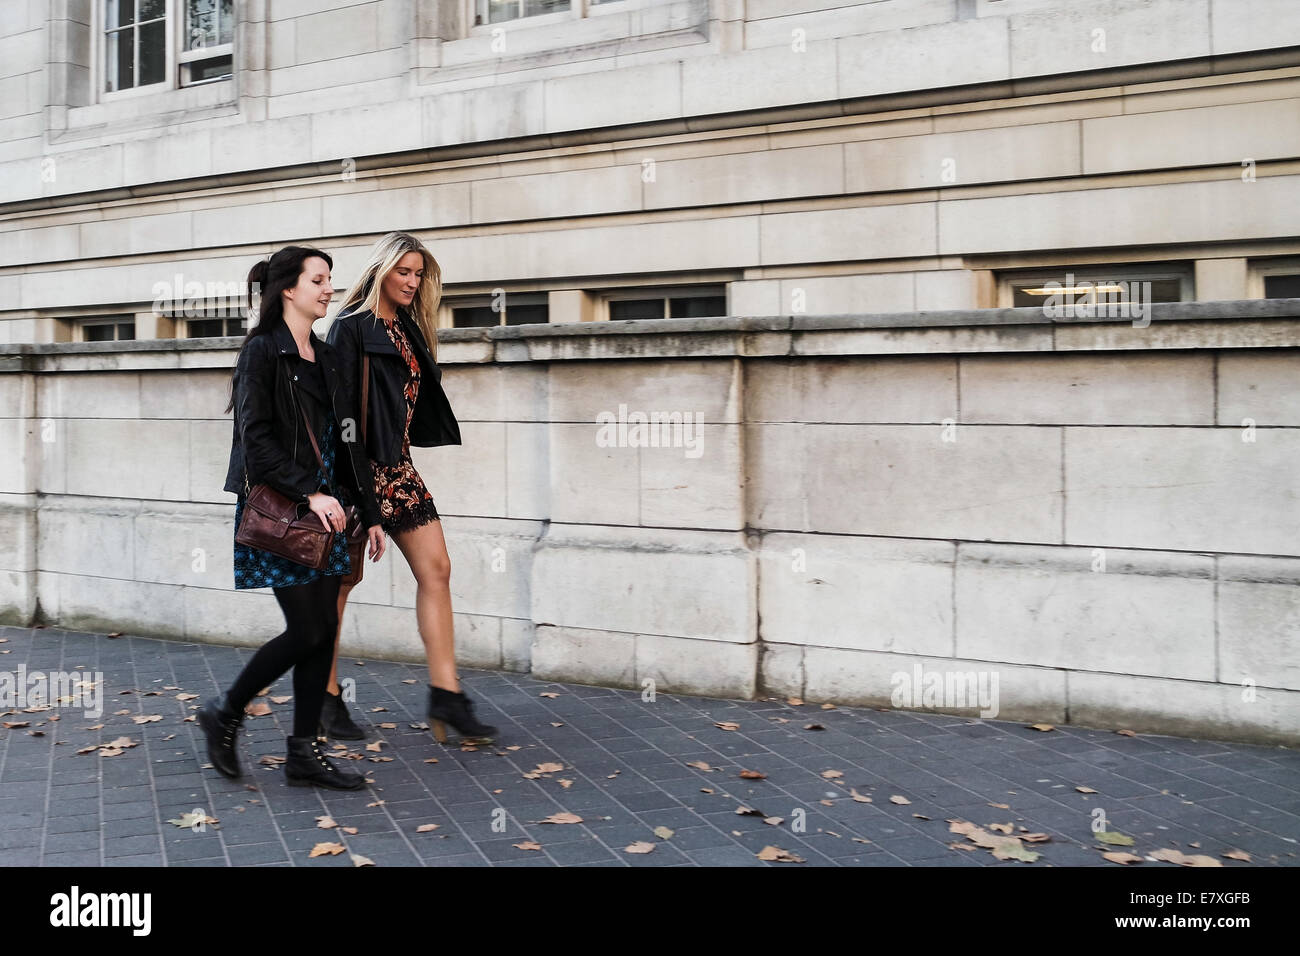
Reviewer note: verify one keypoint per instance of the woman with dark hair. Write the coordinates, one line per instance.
(284, 380)
(387, 325)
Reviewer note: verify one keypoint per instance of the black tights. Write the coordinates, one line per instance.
(307, 645)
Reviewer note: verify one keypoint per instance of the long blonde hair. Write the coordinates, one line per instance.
(383, 258)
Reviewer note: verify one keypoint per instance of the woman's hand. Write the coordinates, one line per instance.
(377, 542)
(328, 510)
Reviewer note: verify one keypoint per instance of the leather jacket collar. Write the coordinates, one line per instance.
(286, 346)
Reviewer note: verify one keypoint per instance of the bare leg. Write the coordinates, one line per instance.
(425, 550)
(333, 685)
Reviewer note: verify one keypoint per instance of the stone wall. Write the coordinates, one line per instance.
(1100, 516)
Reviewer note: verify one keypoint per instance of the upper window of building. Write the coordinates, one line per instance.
(1100, 285)
(512, 308)
(161, 44)
(115, 328)
(695, 302)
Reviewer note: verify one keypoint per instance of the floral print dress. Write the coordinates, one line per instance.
(404, 501)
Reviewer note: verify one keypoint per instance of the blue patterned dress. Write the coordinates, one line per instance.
(255, 568)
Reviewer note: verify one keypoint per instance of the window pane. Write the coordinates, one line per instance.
(126, 330)
(227, 30)
(201, 24)
(636, 309)
(119, 13)
(534, 8)
(697, 306)
(203, 328)
(527, 314)
(1094, 287)
(499, 10)
(99, 333)
(153, 52)
(152, 10)
(119, 67)
(212, 69)
(1282, 287)
(474, 317)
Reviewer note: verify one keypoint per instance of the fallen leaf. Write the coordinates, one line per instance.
(375, 747)
(778, 855)
(326, 822)
(1119, 856)
(187, 820)
(350, 831)
(920, 816)
(1238, 855)
(705, 790)
(548, 693)
(532, 775)
(1177, 856)
(430, 759)
(527, 845)
(857, 797)
(901, 801)
(16, 724)
(283, 699)
(147, 719)
(1035, 837)
(187, 696)
(1001, 827)
(828, 706)
(640, 846)
(270, 760)
(323, 849)
(427, 827)
(774, 821)
(1126, 733)
(1115, 839)
(410, 680)
(753, 775)
(831, 774)
(566, 784)
(359, 860)
(813, 727)
(555, 723)
(378, 710)
(745, 811)
(259, 708)
(859, 840)
(726, 725)
(377, 803)
(514, 747)
(550, 767)
(562, 818)
(1085, 789)
(388, 726)
(1042, 727)
(794, 701)
(700, 765)
(1001, 806)
(663, 833)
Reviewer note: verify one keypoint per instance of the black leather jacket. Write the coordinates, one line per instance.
(433, 423)
(270, 438)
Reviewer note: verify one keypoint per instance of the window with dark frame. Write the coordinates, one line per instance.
(213, 328)
(672, 304)
(1098, 283)
(1282, 287)
(209, 33)
(516, 308)
(119, 329)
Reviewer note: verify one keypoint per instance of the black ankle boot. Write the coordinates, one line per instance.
(221, 726)
(308, 766)
(336, 722)
(446, 707)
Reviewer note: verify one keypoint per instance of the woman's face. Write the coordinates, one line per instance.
(403, 281)
(311, 296)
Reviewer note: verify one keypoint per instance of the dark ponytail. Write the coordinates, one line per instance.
(266, 281)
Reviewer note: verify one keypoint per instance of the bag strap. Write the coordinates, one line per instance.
(365, 394)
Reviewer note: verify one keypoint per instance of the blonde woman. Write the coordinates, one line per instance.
(388, 317)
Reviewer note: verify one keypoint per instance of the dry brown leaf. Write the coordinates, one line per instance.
(359, 860)
(16, 724)
(514, 747)
(813, 727)
(527, 845)
(430, 759)
(920, 816)
(1001, 806)
(375, 747)
(827, 803)
(258, 708)
(1001, 827)
(774, 821)
(970, 847)
(700, 765)
(900, 800)
(187, 696)
(794, 701)
(745, 811)
(664, 833)
(379, 710)
(640, 846)
(427, 827)
(324, 849)
(1035, 837)
(778, 855)
(1177, 856)
(377, 803)
(726, 725)
(1126, 733)
(831, 774)
(566, 784)
(1085, 789)
(562, 818)
(410, 680)
(828, 706)
(326, 822)
(1238, 855)
(858, 797)
(548, 693)
(753, 775)
(350, 831)
(388, 726)
(281, 698)
(1119, 856)
(550, 767)
(557, 723)
(532, 775)
(147, 718)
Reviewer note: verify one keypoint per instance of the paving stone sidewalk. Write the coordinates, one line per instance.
(630, 766)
